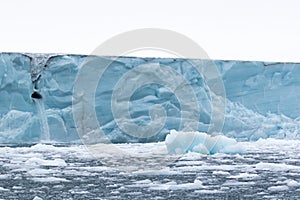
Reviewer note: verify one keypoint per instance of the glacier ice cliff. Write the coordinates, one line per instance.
(262, 98)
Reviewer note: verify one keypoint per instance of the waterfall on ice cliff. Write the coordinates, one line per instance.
(38, 64)
(45, 134)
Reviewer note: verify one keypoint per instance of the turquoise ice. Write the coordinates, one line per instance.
(262, 98)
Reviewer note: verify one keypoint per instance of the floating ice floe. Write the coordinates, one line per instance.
(278, 188)
(183, 142)
(171, 185)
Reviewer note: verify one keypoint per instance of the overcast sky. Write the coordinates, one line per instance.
(226, 29)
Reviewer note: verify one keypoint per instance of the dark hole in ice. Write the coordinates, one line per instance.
(36, 95)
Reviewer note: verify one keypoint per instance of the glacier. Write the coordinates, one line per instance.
(262, 99)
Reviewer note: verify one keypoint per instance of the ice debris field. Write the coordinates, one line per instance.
(43, 156)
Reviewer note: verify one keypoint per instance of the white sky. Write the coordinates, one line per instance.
(226, 29)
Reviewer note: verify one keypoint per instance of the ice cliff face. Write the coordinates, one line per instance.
(262, 99)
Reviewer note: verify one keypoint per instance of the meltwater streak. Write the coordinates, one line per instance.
(45, 134)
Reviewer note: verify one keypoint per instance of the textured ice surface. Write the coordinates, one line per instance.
(269, 169)
(262, 99)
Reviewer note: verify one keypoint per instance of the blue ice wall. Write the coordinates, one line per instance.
(262, 99)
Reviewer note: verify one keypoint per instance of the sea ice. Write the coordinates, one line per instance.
(37, 198)
(184, 142)
(171, 185)
(278, 188)
(292, 183)
(3, 189)
(276, 167)
(49, 179)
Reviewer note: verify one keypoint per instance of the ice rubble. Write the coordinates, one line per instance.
(49, 164)
(262, 99)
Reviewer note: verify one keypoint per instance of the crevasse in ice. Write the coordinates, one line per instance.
(262, 99)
